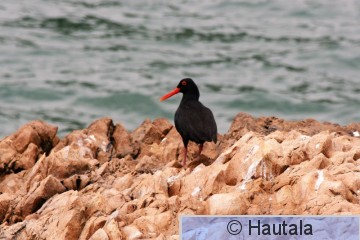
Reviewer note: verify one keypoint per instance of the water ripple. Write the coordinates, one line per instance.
(70, 62)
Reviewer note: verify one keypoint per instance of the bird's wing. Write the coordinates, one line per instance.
(196, 123)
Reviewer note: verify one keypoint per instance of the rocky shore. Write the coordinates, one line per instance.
(104, 182)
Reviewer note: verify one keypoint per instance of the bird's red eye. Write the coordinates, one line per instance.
(183, 83)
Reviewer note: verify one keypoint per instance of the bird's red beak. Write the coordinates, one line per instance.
(173, 92)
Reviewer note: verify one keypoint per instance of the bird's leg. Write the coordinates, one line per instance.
(185, 155)
(185, 152)
(201, 148)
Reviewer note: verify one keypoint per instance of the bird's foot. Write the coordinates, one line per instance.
(184, 163)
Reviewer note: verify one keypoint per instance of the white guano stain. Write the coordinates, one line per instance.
(250, 173)
(172, 179)
(196, 191)
(319, 180)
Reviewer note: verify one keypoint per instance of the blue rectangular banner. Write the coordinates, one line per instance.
(269, 227)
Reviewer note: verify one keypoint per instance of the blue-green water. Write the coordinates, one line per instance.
(70, 62)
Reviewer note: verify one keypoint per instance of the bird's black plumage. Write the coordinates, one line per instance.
(193, 120)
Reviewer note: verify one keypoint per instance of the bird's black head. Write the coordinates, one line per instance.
(188, 87)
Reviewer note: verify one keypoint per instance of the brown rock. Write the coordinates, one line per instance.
(153, 225)
(7, 155)
(203, 181)
(163, 125)
(20, 150)
(124, 182)
(149, 185)
(190, 205)
(28, 158)
(76, 182)
(100, 234)
(26, 136)
(244, 123)
(38, 195)
(103, 128)
(61, 217)
(132, 232)
(147, 133)
(131, 185)
(170, 148)
(245, 159)
(227, 204)
(93, 142)
(67, 162)
(91, 226)
(123, 142)
(112, 230)
(5, 202)
(148, 164)
(319, 143)
(11, 183)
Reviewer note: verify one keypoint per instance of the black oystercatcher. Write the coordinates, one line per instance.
(193, 121)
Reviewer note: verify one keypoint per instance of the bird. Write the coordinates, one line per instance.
(193, 120)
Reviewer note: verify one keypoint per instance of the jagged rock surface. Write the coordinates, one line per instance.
(104, 182)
